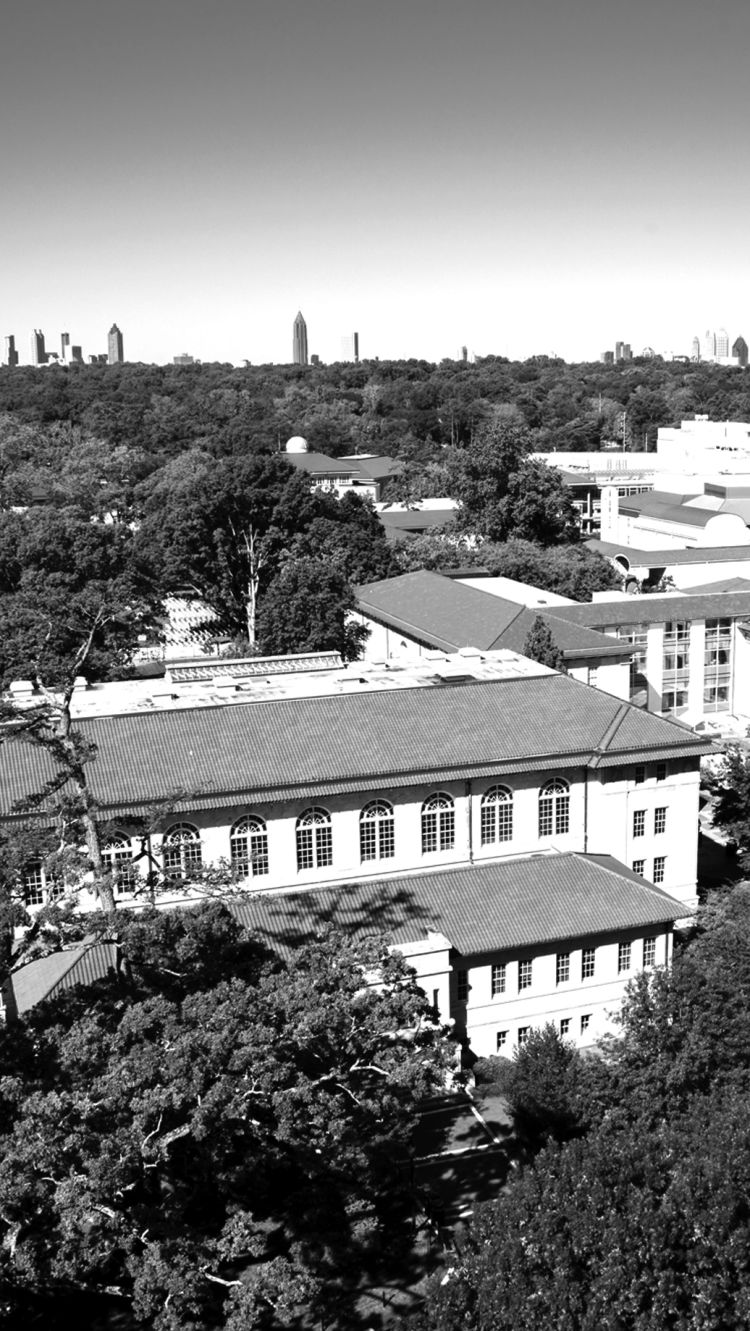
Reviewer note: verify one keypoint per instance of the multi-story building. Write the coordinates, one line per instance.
(527, 841)
(299, 340)
(691, 651)
(38, 352)
(115, 353)
(685, 655)
(11, 355)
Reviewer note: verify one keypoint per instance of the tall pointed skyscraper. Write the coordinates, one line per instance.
(115, 353)
(299, 341)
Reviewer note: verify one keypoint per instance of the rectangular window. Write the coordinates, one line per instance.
(462, 986)
(524, 975)
(660, 821)
(563, 967)
(501, 1040)
(661, 771)
(640, 774)
(564, 1026)
(498, 979)
(523, 1034)
(34, 884)
(659, 867)
(639, 822)
(623, 957)
(639, 867)
(649, 951)
(588, 963)
(585, 1022)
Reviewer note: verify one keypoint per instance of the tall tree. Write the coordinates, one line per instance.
(540, 646)
(223, 1155)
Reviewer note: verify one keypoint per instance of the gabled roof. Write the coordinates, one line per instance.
(507, 905)
(415, 519)
(707, 604)
(374, 468)
(574, 640)
(59, 971)
(706, 554)
(723, 585)
(440, 612)
(211, 757)
(318, 464)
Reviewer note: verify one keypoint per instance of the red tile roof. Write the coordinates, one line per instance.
(440, 612)
(486, 908)
(225, 754)
(59, 971)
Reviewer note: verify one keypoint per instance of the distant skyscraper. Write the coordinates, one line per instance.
(696, 349)
(76, 355)
(11, 355)
(38, 353)
(64, 345)
(708, 347)
(115, 353)
(299, 341)
(722, 342)
(464, 354)
(739, 349)
(350, 347)
(184, 359)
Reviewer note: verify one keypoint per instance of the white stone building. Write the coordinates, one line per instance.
(528, 841)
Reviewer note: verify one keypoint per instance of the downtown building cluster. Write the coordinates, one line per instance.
(69, 353)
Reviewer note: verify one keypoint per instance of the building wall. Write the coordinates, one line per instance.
(605, 674)
(481, 1017)
(601, 808)
(619, 794)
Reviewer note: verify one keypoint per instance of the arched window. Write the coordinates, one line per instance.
(554, 808)
(117, 858)
(314, 839)
(376, 835)
(438, 823)
(497, 815)
(181, 851)
(248, 846)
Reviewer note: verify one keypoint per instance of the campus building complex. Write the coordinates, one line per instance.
(527, 841)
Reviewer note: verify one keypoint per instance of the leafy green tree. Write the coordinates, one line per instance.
(542, 1089)
(625, 1229)
(730, 789)
(568, 570)
(306, 609)
(503, 493)
(216, 1153)
(540, 646)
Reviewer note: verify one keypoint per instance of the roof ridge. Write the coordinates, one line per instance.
(624, 871)
(613, 727)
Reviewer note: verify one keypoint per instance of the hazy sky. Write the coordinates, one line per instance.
(517, 175)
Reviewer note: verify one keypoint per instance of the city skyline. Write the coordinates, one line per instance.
(517, 178)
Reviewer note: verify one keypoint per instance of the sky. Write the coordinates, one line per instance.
(517, 176)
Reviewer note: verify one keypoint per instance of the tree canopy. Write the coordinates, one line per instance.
(643, 1218)
(217, 1136)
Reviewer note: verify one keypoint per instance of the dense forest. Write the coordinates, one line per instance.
(407, 409)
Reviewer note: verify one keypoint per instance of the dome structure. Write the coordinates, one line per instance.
(296, 444)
